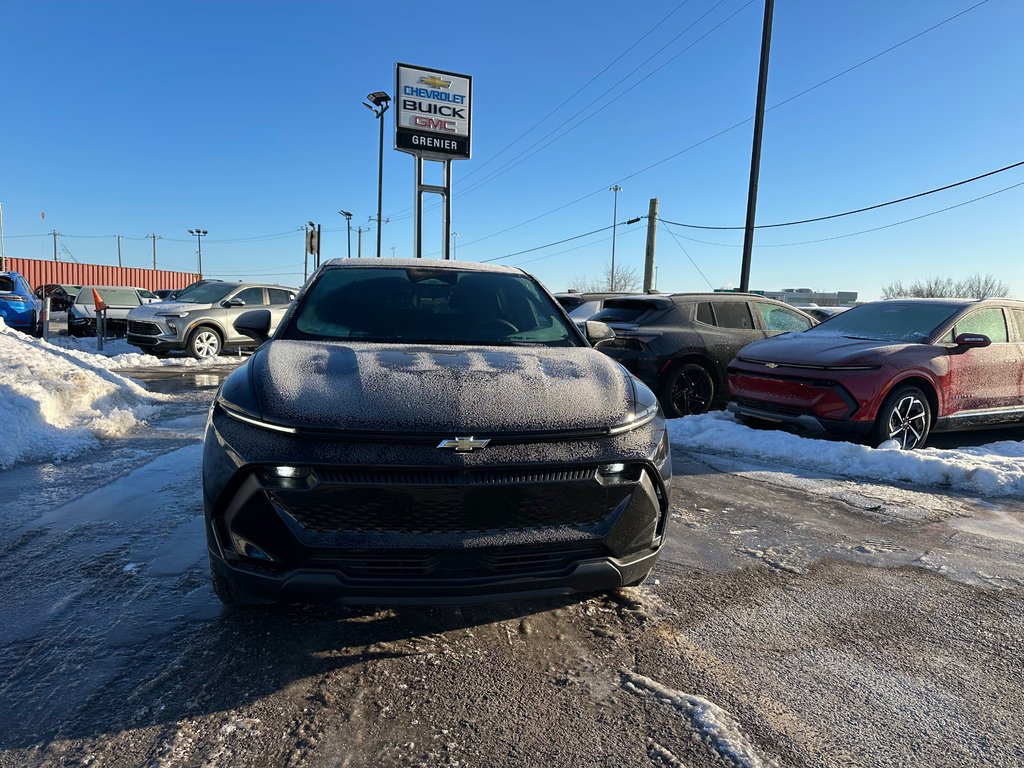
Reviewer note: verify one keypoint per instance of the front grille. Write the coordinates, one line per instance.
(455, 477)
(452, 501)
(143, 328)
(462, 564)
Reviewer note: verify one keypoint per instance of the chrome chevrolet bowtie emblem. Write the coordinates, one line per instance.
(771, 365)
(463, 444)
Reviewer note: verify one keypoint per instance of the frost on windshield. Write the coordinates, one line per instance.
(439, 388)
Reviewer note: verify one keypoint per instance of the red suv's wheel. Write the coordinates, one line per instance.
(905, 417)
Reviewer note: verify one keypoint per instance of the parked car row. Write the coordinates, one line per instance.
(200, 319)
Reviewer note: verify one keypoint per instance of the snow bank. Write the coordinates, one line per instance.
(996, 469)
(118, 354)
(56, 403)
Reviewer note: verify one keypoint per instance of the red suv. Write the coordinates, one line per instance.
(889, 370)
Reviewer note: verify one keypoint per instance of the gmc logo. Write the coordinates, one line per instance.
(434, 123)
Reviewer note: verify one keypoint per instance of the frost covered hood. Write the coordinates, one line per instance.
(438, 389)
(818, 349)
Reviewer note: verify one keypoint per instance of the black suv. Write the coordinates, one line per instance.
(680, 344)
(430, 430)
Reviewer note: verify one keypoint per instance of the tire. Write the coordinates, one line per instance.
(906, 417)
(203, 343)
(688, 390)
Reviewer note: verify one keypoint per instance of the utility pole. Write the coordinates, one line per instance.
(359, 233)
(154, 237)
(755, 153)
(615, 215)
(652, 231)
(118, 249)
(454, 235)
(55, 234)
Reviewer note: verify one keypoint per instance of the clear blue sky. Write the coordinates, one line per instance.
(245, 119)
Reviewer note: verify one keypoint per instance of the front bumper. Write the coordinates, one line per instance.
(804, 423)
(152, 335)
(416, 525)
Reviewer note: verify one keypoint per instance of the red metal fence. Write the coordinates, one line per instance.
(40, 272)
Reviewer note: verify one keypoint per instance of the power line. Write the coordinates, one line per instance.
(858, 232)
(546, 245)
(526, 154)
(859, 210)
(734, 126)
(579, 90)
(687, 255)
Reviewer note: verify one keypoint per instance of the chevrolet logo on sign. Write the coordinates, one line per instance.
(463, 444)
(435, 82)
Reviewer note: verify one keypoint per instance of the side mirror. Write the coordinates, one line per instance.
(255, 324)
(235, 302)
(599, 333)
(970, 340)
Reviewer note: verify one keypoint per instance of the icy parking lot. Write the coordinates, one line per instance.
(818, 604)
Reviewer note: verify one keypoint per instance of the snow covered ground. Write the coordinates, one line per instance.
(58, 399)
(996, 469)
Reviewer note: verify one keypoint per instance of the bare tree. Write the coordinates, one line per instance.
(976, 286)
(627, 280)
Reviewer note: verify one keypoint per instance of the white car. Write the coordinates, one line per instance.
(120, 300)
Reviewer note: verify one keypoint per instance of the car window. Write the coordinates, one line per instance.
(704, 313)
(112, 296)
(1018, 318)
(253, 297)
(989, 321)
(278, 296)
(902, 321)
(778, 318)
(7, 283)
(733, 314)
(585, 310)
(147, 294)
(429, 305)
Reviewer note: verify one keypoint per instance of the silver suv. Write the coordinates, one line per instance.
(200, 319)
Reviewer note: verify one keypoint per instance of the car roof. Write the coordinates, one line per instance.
(466, 266)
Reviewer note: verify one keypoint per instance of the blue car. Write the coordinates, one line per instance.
(19, 307)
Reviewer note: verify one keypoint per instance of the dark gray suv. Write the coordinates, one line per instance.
(200, 320)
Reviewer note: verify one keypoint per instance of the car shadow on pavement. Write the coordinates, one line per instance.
(242, 656)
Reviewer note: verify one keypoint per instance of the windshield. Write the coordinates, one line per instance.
(427, 305)
(112, 296)
(207, 293)
(912, 322)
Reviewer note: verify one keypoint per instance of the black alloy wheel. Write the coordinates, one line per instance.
(689, 390)
(905, 417)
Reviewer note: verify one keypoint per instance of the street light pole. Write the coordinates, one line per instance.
(198, 234)
(454, 236)
(381, 101)
(348, 222)
(615, 215)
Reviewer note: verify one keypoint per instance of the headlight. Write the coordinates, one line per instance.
(176, 313)
(645, 408)
(237, 400)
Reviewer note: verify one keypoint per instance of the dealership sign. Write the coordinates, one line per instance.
(433, 112)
